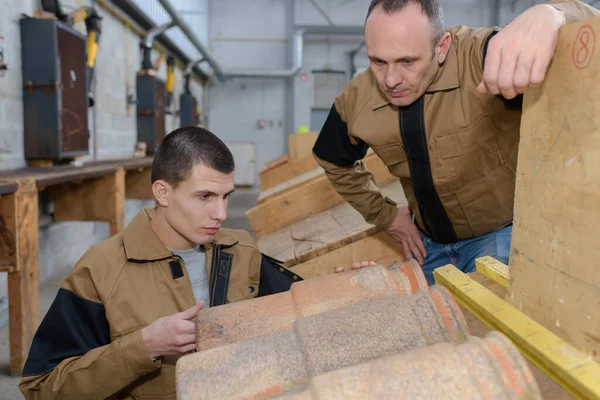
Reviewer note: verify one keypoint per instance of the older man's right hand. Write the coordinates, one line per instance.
(404, 230)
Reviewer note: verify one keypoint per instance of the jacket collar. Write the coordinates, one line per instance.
(141, 243)
(446, 79)
(447, 76)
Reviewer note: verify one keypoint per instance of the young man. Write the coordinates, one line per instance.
(125, 313)
(440, 108)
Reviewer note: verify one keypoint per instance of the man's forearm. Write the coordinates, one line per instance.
(100, 373)
(356, 185)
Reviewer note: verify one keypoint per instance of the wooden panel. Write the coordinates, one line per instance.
(290, 184)
(306, 199)
(8, 231)
(372, 162)
(45, 177)
(380, 247)
(56, 175)
(23, 286)
(554, 273)
(277, 161)
(8, 187)
(117, 198)
(292, 206)
(336, 228)
(285, 170)
(138, 185)
(301, 144)
(100, 199)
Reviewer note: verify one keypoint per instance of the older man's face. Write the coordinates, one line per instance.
(403, 57)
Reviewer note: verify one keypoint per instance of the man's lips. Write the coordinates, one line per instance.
(211, 231)
(399, 93)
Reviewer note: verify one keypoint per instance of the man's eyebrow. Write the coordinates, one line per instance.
(198, 192)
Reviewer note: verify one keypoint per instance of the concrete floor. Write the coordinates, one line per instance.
(241, 201)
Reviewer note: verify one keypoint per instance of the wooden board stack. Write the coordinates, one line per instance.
(306, 224)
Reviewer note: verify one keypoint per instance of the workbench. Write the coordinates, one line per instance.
(92, 192)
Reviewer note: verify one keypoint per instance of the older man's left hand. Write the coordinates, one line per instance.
(356, 265)
(519, 55)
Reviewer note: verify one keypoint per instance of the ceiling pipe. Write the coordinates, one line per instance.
(154, 32)
(192, 37)
(298, 43)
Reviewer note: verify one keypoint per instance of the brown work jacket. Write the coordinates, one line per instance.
(89, 345)
(454, 150)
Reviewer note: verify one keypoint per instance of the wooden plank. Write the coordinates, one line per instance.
(324, 232)
(290, 184)
(138, 185)
(569, 367)
(117, 197)
(277, 161)
(317, 235)
(303, 201)
(292, 206)
(493, 269)
(380, 247)
(8, 231)
(549, 389)
(23, 286)
(278, 245)
(100, 199)
(286, 170)
(301, 144)
(57, 175)
(8, 188)
(372, 162)
(554, 248)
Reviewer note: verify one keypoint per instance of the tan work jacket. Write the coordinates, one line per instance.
(89, 345)
(454, 150)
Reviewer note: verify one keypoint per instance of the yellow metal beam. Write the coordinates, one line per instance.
(493, 269)
(569, 367)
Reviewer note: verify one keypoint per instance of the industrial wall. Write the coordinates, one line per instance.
(114, 131)
(252, 115)
(244, 37)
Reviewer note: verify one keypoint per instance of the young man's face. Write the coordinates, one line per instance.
(198, 206)
(401, 51)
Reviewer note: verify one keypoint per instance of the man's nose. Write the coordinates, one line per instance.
(220, 211)
(393, 77)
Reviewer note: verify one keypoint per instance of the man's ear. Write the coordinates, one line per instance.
(161, 190)
(443, 46)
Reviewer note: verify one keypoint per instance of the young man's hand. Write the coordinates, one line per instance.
(356, 265)
(519, 55)
(172, 335)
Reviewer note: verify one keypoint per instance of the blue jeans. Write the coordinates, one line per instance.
(462, 254)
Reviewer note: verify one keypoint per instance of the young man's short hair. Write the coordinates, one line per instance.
(186, 147)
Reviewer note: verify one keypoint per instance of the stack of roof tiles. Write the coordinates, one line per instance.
(378, 332)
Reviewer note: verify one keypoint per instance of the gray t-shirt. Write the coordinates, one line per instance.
(195, 263)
